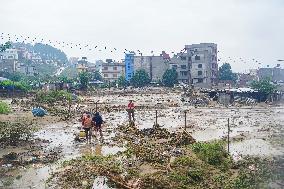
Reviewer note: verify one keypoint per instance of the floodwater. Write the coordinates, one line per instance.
(253, 131)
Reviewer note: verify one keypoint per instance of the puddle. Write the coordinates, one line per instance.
(61, 137)
(208, 124)
(100, 183)
(254, 147)
(34, 178)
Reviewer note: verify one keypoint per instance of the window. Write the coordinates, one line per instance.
(105, 68)
(197, 57)
(183, 73)
(105, 75)
(199, 72)
(189, 58)
(199, 65)
(183, 66)
(114, 68)
(114, 75)
(200, 80)
(183, 58)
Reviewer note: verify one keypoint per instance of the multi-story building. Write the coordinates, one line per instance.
(97, 67)
(182, 64)
(73, 60)
(82, 65)
(276, 74)
(28, 70)
(9, 60)
(10, 54)
(129, 65)
(204, 66)
(154, 65)
(111, 70)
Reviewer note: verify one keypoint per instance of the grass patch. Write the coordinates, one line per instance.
(4, 108)
(212, 153)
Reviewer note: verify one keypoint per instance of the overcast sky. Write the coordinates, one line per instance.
(247, 29)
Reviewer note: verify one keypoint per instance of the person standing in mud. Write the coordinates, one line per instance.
(97, 122)
(83, 118)
(130, 110)
(87, 124)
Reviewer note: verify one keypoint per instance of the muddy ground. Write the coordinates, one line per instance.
(255, 130)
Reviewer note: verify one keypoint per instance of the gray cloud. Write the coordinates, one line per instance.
(251, 29)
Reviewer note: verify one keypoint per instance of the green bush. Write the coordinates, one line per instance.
(184, 161)
(17, 85)
(212, 153)
(53, 96)
(4, 108)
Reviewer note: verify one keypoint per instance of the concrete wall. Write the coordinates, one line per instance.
(155, 66)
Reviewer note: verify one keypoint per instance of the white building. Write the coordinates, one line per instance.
(9, 54)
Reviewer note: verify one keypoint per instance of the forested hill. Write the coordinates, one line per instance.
(46, 51)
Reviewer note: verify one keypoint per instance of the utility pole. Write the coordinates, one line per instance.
(228, 135)
(156, 118)
(185, 112)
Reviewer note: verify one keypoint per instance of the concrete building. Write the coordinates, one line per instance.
(154, 65)
(111, 70)
(181, 62)
(8, 65)
(99, 65)
(9, 54)
(204, 66)
(9, 60)
(129, 65)
(245, 79)
(276, 74)
(73, 60)
(82, 65)
(28, 70)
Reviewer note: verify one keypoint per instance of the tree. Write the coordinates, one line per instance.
(65, 79)
(5, 46)
(96, 76)
(122, 81)
(84, 78)
(264, 86)
(225, 73)
(16, 76)
(140, 78)
(170, 78)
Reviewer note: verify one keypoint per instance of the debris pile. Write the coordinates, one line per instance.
(182, 138)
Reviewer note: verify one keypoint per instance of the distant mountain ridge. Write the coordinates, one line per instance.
(45, 51)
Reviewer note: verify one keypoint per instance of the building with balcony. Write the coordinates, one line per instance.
(204, 66)
(112, 70)
(181, 62)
